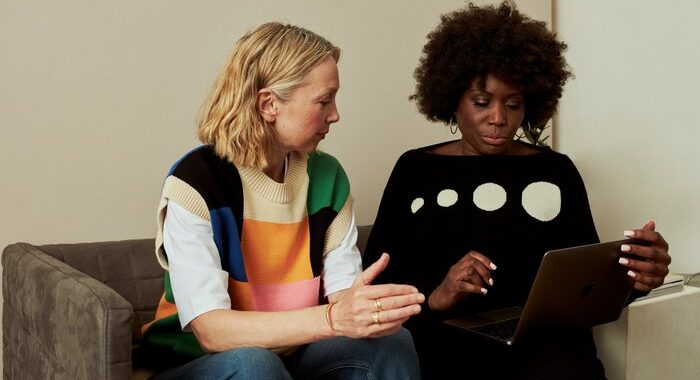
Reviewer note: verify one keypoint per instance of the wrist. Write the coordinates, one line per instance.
(329, 316)
(434, 300)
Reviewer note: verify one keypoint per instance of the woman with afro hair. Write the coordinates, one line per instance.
(467, 221)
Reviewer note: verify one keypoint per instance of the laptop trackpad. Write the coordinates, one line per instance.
(486, 317)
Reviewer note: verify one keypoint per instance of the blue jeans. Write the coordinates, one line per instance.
(390, 357)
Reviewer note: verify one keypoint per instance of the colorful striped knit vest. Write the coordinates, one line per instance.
(271, 237)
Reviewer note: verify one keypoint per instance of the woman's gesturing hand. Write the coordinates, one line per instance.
(469, 275)
(365, 310)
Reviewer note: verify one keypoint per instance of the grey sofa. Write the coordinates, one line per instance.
(74, 311)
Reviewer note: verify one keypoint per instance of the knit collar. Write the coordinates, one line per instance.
(275, 191)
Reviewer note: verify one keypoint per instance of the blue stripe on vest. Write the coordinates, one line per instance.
(228, 242)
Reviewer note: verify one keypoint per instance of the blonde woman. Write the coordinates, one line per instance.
(257, 234)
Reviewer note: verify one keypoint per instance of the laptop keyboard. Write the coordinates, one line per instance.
(502, 329)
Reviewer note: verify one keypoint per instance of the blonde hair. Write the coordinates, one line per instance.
(275, 56)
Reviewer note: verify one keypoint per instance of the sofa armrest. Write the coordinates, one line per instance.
(59, 322)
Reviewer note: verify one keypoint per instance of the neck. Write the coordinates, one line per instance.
(275, 168)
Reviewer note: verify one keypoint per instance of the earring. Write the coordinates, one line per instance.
(453, 125)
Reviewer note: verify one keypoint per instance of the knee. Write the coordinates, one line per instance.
(251, 355)
(401, 340)
(252, 363)
(399, 350)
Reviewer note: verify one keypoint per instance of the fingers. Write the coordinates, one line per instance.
(383, 291)
(373, 317)
(383, 329)
(646, 274)
(386, 331)
(393, 315)
(473, 272)
(649, 225)
(656, 251)
(649, 235)
(485, 261)
(397, 302)
(647, 283)
(394, 302)
(387, 322)
(648, 264)
(468, 287)
(643, 254)
(369, 274)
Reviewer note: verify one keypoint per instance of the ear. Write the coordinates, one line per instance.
(267, 104)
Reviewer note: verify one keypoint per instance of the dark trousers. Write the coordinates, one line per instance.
(548, 354)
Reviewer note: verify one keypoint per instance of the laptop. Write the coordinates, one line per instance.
(579, 286)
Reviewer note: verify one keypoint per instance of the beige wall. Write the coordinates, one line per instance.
(99, 98)
(629, 118)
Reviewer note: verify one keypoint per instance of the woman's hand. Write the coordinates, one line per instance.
(469, 275)
(651, 266)
(366, 310)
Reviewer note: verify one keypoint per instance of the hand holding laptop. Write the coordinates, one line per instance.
(471, 274)
(651, 266)
(575, 287)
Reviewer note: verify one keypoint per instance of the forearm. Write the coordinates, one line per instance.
(221, 330)
(437, 301)
(441, 300)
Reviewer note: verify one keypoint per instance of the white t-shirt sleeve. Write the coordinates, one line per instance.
(342, 264)
(198, 281)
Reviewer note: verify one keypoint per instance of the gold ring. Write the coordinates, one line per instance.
(375, 317)
(377, 304)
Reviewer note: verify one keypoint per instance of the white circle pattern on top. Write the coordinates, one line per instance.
(542, 200)
(417, 204)
(489, 196)
(447, 198)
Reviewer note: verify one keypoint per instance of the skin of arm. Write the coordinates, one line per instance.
(221, 330)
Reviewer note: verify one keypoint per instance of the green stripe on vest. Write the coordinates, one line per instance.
(166, 332)
(168, 288)
(328, 183)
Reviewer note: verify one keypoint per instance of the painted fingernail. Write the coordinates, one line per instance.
(632, 274)
(625, 248)
(629, 233)
(623, 261)
(493, 266)
(484, 290)
(491, 281)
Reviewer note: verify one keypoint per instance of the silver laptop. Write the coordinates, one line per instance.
(578, 287)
